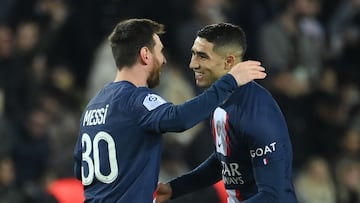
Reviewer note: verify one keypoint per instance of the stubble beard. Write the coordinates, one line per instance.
(154, 78)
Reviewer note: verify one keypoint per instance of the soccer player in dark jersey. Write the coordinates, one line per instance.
(117, 154)
(252, 149)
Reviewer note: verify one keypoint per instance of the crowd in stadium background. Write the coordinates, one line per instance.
(54, 56)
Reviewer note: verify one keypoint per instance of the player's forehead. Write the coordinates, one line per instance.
(202, 45)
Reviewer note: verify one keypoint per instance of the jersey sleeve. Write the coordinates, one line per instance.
(155, 114)
(270, 182)
(268, 134)
(206, 174)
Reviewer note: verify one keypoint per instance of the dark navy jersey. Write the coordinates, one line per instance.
(117, 155)
(253, 152)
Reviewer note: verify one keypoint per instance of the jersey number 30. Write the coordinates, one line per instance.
(93, 163)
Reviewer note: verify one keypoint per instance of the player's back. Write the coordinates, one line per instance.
(120, 158)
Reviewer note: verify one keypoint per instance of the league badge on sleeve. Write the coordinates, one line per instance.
(152, 101)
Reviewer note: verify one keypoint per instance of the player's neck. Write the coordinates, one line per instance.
(134, 75)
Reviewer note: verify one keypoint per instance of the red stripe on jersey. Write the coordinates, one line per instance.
(238, 195)
(154, 194)
(228, 151)
(213, 129)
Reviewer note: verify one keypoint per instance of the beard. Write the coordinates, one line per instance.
(154, 77)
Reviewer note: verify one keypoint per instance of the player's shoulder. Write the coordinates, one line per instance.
(146, 97)
(253, 90)
(111, 91)
(128, 95)
(252, 95)
(257, 87)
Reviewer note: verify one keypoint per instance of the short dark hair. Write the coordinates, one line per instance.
(224, 35)
(129, 36)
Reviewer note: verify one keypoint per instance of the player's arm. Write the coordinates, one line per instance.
(270, 182)
(177, 118)
(206, 174)
(269, 168)
(182, 117)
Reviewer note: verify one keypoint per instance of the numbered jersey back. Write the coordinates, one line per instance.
(117, 156)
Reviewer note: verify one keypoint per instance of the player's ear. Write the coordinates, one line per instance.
(145, 55)
(229, 62)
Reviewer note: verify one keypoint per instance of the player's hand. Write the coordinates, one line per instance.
(163, 192)
(247, 71)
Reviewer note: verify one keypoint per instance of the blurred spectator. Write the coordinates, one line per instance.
(27, 36)
(6, 129)
(12, 74)
(202, 12)
(6, 39)
(348, 181)
(9, 193)
(63, 78)
(349, 145)
(354, 116)
(16, 58)
(6, 135)
(314, 184)
(251, 15)
(312, 134)
(33, 73)
(328, 80)
(102, 70)
(66, 38)
(63, 129)
(326, 124)
(343, 26)
(350, 94)
(31, 155)
(5, 9)
(311, 27)
(31, 148)
(290, 55)
(344, 38)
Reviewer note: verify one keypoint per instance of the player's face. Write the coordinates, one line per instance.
(158, 61)
(207, 65)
